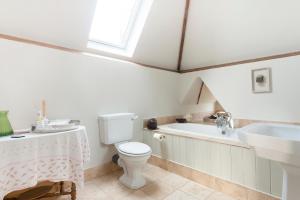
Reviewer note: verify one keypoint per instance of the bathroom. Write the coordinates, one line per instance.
(177, 59)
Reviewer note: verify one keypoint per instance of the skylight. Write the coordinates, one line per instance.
(117, 25)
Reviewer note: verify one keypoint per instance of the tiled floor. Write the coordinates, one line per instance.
(161, 185)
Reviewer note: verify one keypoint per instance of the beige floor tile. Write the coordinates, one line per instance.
(92, 195)
(196, 190)
(157, 190)
(109, 185)
(106, 183)
(253, 195)
(179, 195)
(219, 196)
(91, 191)
(149, 179)
(174, 181)
(138, 195)
(116, 190)
(233, 190)
(161, 185)
(148, 167)
(103, 180)
(155, 173)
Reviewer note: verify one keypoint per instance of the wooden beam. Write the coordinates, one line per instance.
(185, 19)
(285, 55)
(70, 50)
(200, 92)
(51, 46)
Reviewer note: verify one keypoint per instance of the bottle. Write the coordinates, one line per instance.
(39, 118)
(5, 126)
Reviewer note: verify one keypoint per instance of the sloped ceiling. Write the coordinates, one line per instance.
(60, 22)
(67, 23)
(224, 31)
(217, 31)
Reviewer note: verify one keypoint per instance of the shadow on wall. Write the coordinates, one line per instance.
(199, 99)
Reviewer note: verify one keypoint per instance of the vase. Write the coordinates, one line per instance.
(5, 126)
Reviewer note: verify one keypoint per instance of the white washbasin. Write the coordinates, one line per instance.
(273, 141)
(280, 143)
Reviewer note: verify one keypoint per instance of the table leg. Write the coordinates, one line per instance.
(61, 188)
(73, 192)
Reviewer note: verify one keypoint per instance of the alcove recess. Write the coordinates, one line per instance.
(198, 100)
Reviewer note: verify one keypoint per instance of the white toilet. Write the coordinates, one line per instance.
(117, 129)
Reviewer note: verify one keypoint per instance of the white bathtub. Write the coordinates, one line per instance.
(201, 131)
(203, 148)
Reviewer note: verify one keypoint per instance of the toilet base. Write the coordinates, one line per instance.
(133, 183)
(132, 166)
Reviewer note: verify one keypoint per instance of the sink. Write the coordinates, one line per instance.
(281, 143)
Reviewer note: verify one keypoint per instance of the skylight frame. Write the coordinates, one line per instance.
(129, 29)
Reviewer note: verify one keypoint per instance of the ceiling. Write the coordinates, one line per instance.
(224, 31)
(217, 31)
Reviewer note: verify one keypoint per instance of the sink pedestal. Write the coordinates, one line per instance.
(281, 143)
(291, 182)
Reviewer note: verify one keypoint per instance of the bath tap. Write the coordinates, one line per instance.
(224, 121)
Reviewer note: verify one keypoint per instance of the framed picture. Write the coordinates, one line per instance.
(262, 80)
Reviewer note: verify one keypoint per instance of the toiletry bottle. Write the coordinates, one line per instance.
(39, 118)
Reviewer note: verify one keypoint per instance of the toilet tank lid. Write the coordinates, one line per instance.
(116, 116)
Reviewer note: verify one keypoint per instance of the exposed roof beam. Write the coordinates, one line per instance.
(52, 46)
(290, 54)
(185, 19)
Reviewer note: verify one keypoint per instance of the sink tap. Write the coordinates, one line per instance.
(224, 121)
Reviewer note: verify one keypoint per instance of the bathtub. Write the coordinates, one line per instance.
(203, 148)
(201, 131)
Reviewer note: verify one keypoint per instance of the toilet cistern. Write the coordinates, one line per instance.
(117, 129)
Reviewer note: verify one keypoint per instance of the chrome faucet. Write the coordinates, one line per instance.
(224, 121)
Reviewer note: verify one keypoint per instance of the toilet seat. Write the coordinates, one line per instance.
(134, 148)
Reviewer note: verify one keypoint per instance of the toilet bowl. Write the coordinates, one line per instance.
(117, 129)
(133, 157)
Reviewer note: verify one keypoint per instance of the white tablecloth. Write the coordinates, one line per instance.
(55, 157)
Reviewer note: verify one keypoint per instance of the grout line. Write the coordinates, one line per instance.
(210, 195)
(191, 195)
(213, 191)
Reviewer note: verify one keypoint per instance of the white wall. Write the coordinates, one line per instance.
(81, 87)
(232, 87)
(232, 30)
(67, 23)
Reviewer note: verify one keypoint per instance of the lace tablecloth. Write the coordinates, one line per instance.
(38, 157)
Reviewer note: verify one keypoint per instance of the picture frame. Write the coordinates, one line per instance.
(262, 80)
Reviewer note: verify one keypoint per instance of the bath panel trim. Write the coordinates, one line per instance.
(218, 184)
(235, 164)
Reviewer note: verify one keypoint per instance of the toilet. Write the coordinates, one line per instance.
(117, 129)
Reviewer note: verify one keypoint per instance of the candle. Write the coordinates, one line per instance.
(43, 108)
